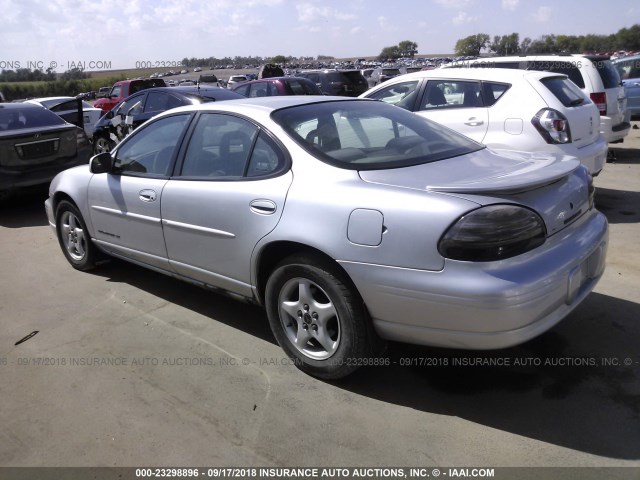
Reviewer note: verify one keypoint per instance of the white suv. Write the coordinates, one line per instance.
(594, 74)
(505, 109)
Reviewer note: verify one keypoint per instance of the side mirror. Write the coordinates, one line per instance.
(101, 163)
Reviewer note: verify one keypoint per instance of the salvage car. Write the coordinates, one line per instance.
(505, 109)
(140, 107)
(349, 220)
(36, 144)
(67, 108)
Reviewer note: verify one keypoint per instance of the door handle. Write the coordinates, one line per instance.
(263, 206)
(473, 122)
(147, 195)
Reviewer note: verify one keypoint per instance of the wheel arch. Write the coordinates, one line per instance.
(272, 254)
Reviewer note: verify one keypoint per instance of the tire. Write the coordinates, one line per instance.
(102, 144)
(317, 317)
(74, 238)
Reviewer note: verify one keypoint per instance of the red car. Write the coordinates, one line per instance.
(123, 89)
(275, 86)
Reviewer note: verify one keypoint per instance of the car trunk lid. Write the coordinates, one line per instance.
(37, 146)
(543, 182)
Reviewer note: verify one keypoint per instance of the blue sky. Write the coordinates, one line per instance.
(121, 33)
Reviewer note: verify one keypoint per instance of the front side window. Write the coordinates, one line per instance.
(131, 106)
(150, 150)
(223, 146)
(365, 135)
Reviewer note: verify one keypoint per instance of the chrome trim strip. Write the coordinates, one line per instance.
(198, 228)
(120, 213)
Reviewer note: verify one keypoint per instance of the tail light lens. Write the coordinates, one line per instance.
(494, 232)
(552, 125)
(600, 99)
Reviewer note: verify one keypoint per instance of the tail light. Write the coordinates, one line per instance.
(552, 125)
(494, 232)
(600, 99)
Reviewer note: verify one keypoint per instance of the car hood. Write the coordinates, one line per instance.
(485, 171)
(554, 186)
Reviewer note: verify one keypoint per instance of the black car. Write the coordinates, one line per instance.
(35, 145)
(140, 107)
(348, 83)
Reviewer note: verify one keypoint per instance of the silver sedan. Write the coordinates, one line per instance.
(351, 221)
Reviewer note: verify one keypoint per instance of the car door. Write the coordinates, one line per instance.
(125, 204)
(229, 193)
(456, 104)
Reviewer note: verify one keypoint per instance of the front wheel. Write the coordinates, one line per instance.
(102, 145)
(74, 238)
(317, 317)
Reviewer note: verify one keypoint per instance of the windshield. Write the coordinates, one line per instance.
(370, 135)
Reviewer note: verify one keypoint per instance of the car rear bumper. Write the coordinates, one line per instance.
(486, 305)
(594, 156)
(614, 132)
(11, 179)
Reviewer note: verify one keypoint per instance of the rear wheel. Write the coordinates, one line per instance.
(74, 238)
(317, 317)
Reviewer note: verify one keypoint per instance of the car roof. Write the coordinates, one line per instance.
(45, 99)
(495, 74)
(191, 90)
(19, 106)
(261, 105)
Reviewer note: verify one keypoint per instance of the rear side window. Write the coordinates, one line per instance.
(565, 91)
(492, 91)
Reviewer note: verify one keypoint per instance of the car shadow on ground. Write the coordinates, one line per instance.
(24, 208)
(238, 314)
(624, 156)
(570, 387)
(619, 206)
(577, 386)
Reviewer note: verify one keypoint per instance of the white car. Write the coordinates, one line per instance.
(67, 108)
(594, 74)
(505, 109)
(236, 80)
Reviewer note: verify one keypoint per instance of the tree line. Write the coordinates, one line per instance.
(624, 39)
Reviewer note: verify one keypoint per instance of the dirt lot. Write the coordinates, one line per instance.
(130, 368)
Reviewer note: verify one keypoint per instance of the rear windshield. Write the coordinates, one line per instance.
(608, 73)
(137, 85)
(565, 91)
(346, 77)
(369, 135)
(20, 118)
(390, 71)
